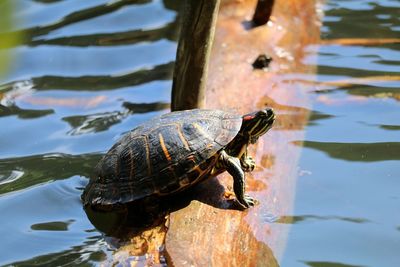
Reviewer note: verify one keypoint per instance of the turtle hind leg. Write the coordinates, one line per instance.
(233, 166)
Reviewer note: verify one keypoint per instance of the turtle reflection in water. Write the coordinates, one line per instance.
(175, 151)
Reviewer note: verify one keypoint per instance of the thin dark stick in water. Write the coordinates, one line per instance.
(263, 12)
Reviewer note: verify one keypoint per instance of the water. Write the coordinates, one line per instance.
(88, 71)
(347, 208)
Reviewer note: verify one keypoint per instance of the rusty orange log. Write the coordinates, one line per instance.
(205, 233)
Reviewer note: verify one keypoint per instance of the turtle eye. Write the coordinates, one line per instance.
(248, 117)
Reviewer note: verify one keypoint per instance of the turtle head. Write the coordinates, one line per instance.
(257, 123)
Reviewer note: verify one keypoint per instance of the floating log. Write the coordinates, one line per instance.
(205, 233)
(208, 230)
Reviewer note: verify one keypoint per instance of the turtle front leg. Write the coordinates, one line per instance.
(233, 166)
(247, 162)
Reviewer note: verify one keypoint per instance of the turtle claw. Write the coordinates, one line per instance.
(248, 201)
(248, 164)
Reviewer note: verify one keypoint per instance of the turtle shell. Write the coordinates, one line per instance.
(162, 156)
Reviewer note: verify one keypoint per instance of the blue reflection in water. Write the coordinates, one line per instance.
(348, 198)
(86, 72)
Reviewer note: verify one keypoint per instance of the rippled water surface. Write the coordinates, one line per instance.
(347, 208)
(88, 71)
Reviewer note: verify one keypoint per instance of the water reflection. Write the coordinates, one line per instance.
(46, 223)
(303, 218)
(361, 19)
(23, 113)
(354, 177)
(81, 15)
(363, 152)
(390, 127)
(329, 264)
(92, 252)
(42, 218)
(111, 39)
(104, 82)
(365, 90)
(84, 124)
(39, 169)
(52, 226)
(68, 98)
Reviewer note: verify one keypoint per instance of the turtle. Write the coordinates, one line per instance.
(175, 151)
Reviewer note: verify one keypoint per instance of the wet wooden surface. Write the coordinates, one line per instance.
(208, 232)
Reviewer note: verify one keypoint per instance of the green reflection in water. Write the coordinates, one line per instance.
(104, 82)
(101, 82)
(7, 22)
(302, 218)
(85, 14)
(361, 22)
(83, 124)
(90, 253)
(328, 264)
(37, 169)
(363, 152)
(316, 116)
(113, 39)
(48, 1)
(366, 91)
(352, 72)
(390, 127)
(24, 113)
(52, 226)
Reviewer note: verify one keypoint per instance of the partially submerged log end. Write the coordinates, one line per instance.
(263, 12)
(195, 42)
(210, 231)
(206, 233)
